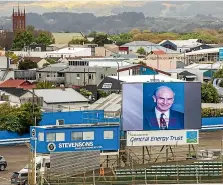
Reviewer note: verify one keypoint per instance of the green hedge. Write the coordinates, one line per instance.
(210, 112)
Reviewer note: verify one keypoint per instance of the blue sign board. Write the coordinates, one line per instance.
(67, 138)
(221, 54)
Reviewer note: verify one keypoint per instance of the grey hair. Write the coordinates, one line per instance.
(161, 87)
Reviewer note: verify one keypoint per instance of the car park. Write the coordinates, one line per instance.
(3, 163)
(20, 177)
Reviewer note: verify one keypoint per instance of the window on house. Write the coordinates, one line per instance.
(108, 134)
(39, 75)
(90, 76)
(50, 137)
(88, 135)
(78, 75)
(41, 136)
(102, 76)
(76, 136)
(60, 136)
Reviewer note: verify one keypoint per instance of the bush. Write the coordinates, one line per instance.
(210, 112)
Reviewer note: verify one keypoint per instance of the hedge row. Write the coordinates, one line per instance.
(210, 112)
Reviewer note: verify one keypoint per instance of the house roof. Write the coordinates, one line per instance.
(184, 43)
(52, 68)
(17, 83)
(132, 66)
(79, 69)
(203, 51)
(14, 91)
(68, 95)
(138, 43)
(187, 74)
(157, 47)
(158, 52)
(34, 59)
(216, 65)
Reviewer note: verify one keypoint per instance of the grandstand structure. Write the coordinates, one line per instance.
(110, 104)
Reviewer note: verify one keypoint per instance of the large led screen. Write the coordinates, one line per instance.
(161, 106)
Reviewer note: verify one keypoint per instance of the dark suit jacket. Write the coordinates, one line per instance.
(176, 121)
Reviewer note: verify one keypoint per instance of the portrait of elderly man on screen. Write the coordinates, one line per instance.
(162, 117)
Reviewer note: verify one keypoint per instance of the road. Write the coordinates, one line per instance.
(17, 157)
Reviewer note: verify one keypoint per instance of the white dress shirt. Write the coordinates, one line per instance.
(166, 116)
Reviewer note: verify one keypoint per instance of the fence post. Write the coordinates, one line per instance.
(93, 177)
(145, 177)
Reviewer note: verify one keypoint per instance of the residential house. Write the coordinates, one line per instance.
(85, 75)
(17, 84)
(200, 47)
(113, 83)
(38, 60)
(70, 52)
(64, 38)
(181, 46)
(61, 98)
(54, 47)
(187, 74)
(15, 95)
(29, 74)
(51, 73)
(133, 47)
(139, 69)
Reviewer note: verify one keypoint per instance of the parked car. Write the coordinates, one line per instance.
(3, 163)
(20, 178)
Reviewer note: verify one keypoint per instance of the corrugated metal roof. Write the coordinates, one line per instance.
(68, 95)
(52, 68)
(139, 43)
(146, 78)
(203, 51)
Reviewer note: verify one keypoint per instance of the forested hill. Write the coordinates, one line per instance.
(123, 22)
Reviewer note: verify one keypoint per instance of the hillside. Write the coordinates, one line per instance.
(87, 22)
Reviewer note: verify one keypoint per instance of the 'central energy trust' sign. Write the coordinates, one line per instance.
(167, 137)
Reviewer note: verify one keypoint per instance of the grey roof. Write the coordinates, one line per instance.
(158, 47)
(18, 92)
(68, 95)
(52, 69)
(127, 66)
(80, 69)
(138, 43)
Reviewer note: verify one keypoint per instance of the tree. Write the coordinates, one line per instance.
(101, 40)
(27, 64)
(209, 93)
(45, 85)
(22, 39)
(19, 119)
(92, 34)
(14, 58)
(218, 74)
(141, 51)
(44, 39)
(78, 41)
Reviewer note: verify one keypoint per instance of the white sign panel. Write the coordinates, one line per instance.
(162, 137)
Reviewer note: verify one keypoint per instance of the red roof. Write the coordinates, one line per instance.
(159, 52)
(17, 83)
